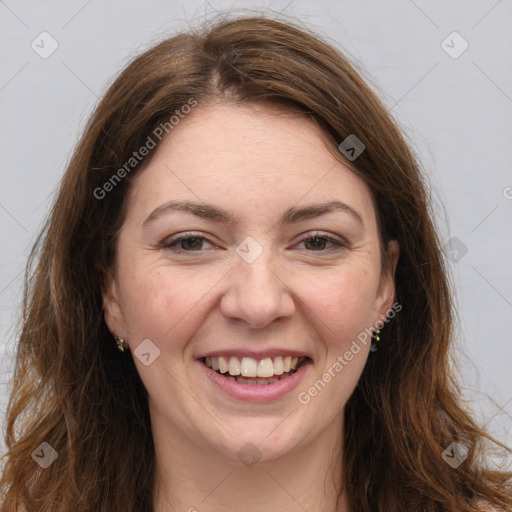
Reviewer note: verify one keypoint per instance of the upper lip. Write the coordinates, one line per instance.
(255, 354)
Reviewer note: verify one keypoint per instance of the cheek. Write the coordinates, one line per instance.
(340, 302)
(161, 304)
(166, 304)
(341, 310)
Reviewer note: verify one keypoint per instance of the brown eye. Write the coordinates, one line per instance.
(316, 243)
(186, 243)
(320, 242)
(192, 243)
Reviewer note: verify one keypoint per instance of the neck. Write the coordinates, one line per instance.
(196, 478)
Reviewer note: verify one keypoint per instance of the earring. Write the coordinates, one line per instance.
(375, 339)
(120, 343)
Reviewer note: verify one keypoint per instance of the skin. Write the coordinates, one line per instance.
(256, 162)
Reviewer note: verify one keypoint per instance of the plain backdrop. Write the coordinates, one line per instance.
(451, 92)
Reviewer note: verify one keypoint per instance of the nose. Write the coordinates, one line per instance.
(257, 294)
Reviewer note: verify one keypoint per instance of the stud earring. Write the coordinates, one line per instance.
(120, 343)
(375, 339)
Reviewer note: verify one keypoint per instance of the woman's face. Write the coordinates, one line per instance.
(249, 248)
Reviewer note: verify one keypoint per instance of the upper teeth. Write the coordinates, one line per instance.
(249, 367)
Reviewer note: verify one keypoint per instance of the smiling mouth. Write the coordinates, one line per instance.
(247, 370)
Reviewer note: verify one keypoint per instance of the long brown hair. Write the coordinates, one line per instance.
(75, 391)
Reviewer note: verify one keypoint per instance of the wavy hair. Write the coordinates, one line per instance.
(75, 391)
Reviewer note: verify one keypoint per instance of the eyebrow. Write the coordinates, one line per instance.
(292, 215)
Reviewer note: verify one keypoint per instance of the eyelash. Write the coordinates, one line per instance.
(170, 243)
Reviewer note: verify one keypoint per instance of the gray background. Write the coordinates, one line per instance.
(457, 113)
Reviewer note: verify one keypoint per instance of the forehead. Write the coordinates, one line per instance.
(250, 157)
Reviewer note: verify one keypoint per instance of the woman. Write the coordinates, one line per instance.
(240, 300)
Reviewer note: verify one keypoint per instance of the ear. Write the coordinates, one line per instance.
(386, 289)
(112, 310)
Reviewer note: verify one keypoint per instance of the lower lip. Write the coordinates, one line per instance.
(257, 392)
